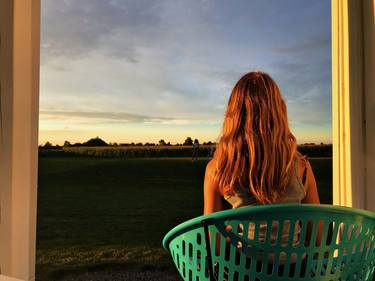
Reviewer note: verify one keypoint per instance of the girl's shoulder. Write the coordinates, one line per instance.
(211, 167)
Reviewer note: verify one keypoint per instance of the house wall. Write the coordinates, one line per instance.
(369, 101)
(6, 88)
(19, 62)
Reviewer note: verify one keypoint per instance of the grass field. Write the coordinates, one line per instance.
(96, 213)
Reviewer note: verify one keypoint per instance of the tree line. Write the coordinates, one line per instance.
(96, 147)
(98, 142)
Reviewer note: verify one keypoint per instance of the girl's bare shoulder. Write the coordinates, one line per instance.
(211, 168)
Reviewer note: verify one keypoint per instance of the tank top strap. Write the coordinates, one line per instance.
(299, 180)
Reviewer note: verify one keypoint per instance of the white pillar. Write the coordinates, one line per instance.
(19, 62)
(369, 89)
(352, 99)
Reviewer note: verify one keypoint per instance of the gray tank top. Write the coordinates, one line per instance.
(294, 193)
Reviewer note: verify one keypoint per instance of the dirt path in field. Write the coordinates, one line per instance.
(125, 276)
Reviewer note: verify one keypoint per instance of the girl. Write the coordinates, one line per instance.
(256, 161)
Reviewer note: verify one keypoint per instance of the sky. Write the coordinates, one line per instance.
(145, 70)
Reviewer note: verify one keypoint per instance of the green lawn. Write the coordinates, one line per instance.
(113, 213)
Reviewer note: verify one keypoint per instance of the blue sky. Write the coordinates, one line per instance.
(140, 71)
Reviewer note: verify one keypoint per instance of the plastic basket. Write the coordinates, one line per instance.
(276, 242)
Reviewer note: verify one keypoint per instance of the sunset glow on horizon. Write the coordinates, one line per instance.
(141, 71)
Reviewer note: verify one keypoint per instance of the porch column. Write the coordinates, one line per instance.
(19, 92)
(353, 103)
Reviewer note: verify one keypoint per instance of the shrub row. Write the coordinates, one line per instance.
(160, 151)
(125, 152)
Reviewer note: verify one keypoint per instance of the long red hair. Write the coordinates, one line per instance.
(256, 149)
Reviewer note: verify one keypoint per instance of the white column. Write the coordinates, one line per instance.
(20, 41)
(352, 93)
(369, 88)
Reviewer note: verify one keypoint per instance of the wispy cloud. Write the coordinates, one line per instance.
(95, 117)
(305, 47)
(74, 30)
(105, 116)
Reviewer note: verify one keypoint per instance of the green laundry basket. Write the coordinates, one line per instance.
(276, 242)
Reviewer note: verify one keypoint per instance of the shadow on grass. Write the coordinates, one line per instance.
(68, 271)
(57, 264)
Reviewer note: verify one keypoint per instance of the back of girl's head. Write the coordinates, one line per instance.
(257, 148)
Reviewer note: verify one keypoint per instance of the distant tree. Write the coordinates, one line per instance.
(169, 143)
(77, 144)
(162, 142)
(188, 141)
(67, 144)
(132, 144)
(139, 144)
(47, 145)
(95, 142)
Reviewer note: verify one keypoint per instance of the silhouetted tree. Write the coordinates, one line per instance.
(47, 145)
(95, 142)
(162, 142)
(67, 144)
(188, 141)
